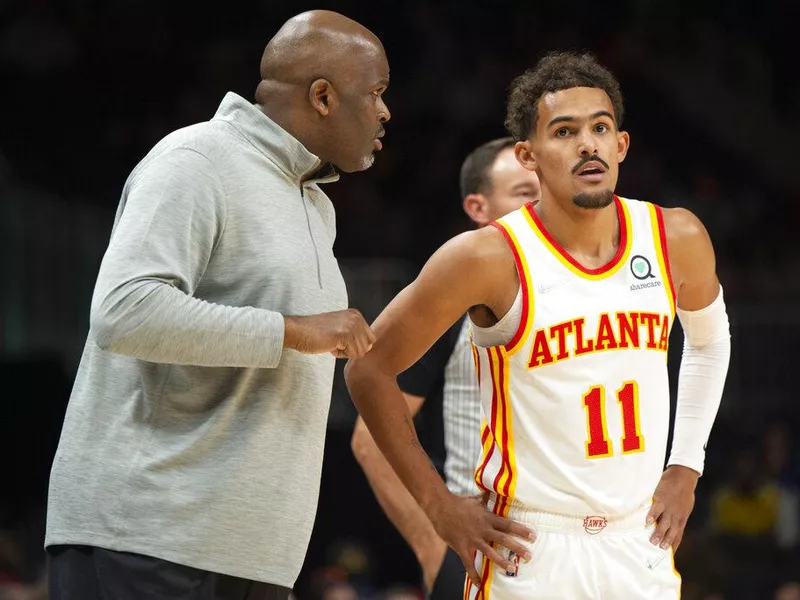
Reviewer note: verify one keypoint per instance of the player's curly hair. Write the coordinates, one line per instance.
(554, 72)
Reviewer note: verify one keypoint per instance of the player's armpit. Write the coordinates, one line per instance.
(691, 258)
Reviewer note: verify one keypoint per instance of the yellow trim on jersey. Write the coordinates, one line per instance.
(662, 263)
(508, 413)
(487, 587)
(518, 341)
(486, 571)
(487, 448)
(675, 571)
(475, 357)
(594, 277)
(499, 434)
(500, 419)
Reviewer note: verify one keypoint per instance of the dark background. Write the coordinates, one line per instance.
(713, 109)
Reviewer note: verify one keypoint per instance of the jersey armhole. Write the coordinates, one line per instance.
(523, 272)
(660, 240)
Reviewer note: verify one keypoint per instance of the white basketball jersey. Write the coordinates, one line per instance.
(577, 402)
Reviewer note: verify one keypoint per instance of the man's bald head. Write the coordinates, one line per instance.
(322, 77)
(317, 43)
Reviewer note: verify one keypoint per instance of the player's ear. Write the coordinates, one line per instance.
(477, 208)
(522, 150)
(623, 144)
(322, 96)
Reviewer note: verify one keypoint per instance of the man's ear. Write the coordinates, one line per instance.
(623, 143)
(522, 150)
(322, 96)
(477, 208)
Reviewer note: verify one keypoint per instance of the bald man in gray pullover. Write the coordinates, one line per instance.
(190, 456)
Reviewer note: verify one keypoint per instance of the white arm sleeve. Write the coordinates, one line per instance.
(701, 379)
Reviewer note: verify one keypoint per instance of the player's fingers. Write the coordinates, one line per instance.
(511, 543)
(661, 530)
(472, 572)
(669, 537)
(673, 533)
(655, 512)
(676, 544)
(508, 526)
(495, 557)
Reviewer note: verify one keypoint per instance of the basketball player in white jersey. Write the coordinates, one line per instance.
(493, 183)
(571, 303)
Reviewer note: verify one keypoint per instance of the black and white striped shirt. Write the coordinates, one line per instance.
(450, 419)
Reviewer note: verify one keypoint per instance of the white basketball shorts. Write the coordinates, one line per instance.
(587, 557)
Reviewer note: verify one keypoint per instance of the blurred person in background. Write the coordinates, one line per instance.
(493, 183)
(788, 591)
(752, 525)
(747, 505)
(190, 456)
(402, 593)
(339, 590)
(783, 467)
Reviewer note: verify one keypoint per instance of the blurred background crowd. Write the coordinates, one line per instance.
(713, 108)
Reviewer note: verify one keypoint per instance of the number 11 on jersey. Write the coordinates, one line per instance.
(599, 445)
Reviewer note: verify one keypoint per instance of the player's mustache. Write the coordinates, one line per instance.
(588, 159)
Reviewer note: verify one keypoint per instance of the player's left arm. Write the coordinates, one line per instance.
(703, 369)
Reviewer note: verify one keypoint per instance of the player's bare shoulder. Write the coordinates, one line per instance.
(682, 225)
(482, 249)
(688, 244)
(685, 232)
(476, 265)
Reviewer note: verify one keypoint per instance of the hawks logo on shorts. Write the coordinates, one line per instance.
(594, 525)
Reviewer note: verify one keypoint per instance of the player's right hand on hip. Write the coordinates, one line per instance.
(344, 333)
(467, 526)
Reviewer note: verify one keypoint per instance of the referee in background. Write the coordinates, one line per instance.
(444, 384)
